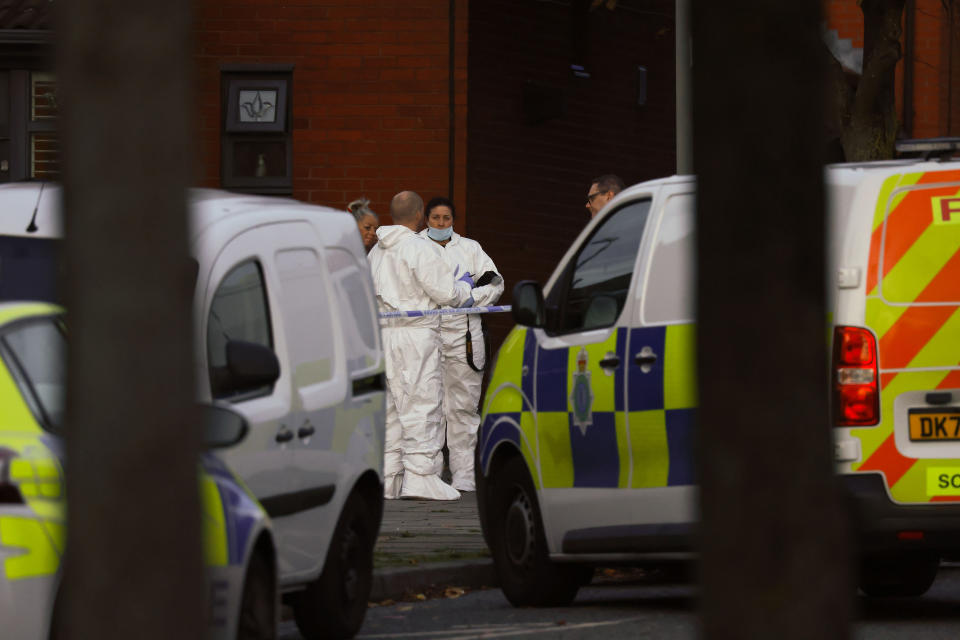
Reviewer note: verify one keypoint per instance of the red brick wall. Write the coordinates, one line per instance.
(370, 91)
(527, 183)
(846, 17)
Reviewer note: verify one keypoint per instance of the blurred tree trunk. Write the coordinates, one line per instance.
(133, 568)
(774, 536)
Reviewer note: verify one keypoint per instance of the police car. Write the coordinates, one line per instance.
(238, 546)
(286, 334)
(585, 453)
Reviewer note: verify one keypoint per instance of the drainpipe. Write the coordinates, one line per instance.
(452, 99)
(908, 49)
(684, 62)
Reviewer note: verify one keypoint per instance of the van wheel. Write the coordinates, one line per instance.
(258, 606)
(527, 576)
(334, 604)
(898, 575)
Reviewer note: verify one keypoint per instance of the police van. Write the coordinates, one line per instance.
(287, 335)
(585, 453)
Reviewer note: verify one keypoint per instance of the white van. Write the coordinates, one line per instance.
(286, 332)
(585, 453)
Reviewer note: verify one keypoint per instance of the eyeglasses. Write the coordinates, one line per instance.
(591, 196)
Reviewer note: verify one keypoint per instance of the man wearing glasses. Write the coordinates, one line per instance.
(601, 191)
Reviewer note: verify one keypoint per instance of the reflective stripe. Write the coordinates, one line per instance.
(508, 371)
(556, 453)
(649, 448)
(680, 361)
(39, 557)
(215, 548)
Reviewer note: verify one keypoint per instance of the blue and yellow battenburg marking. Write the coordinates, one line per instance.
(581, 426)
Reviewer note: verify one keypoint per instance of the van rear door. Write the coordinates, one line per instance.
(913, 307)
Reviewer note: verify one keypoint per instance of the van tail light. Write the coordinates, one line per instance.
(856, 396)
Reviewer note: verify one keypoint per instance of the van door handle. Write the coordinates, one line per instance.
(646, 359)
(610, 362)
(305, 431)
(284, 435)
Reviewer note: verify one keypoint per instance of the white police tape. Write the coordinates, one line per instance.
(443, 312)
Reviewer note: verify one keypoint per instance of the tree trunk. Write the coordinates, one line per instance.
(133, 567)
(872, 123)
(774, 537)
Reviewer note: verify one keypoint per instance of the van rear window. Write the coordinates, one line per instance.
(920, 236)
(29, 268)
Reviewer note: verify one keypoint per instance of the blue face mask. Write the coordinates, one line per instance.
(439, 234)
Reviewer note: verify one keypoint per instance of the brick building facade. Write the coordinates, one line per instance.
(370, 91)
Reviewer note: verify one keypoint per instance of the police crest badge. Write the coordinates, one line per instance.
(581, 396)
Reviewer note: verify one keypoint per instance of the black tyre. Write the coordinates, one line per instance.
(258, 606)
(527, 576)
(333, 606)
(898, 575)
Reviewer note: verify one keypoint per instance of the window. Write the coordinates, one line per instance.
(29, 107)
(36, 353)
(239, 311)
(255, 141)
(670, 287)
(44, 141)
(593, 292)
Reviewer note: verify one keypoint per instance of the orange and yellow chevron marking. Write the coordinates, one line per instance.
(952, 381)
(915, 328)
(921, 264)
(887, 459)
(903, 229)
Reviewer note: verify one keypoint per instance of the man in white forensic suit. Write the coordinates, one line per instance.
(409, 275)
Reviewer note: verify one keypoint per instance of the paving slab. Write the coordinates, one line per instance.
(425, 543)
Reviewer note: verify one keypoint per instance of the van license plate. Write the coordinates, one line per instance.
(935, 424)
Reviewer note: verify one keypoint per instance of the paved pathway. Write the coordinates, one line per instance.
(419, 531)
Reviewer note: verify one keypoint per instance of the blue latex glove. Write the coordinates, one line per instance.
(465, 278)
(469, 303)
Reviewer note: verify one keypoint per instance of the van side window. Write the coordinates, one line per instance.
(669, 292)
(239, 311)
(593, 292)
(36, 353)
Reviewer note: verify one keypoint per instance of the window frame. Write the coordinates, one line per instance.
(234, 133)
(23, 381)
(561, 286)
(253, 393)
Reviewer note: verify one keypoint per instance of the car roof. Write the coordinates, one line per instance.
(19, 200)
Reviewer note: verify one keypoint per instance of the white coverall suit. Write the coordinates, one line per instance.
(408, 274)
(461, 384)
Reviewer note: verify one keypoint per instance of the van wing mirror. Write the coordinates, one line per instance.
(251, 365)
(222, 426)
(528, 304)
